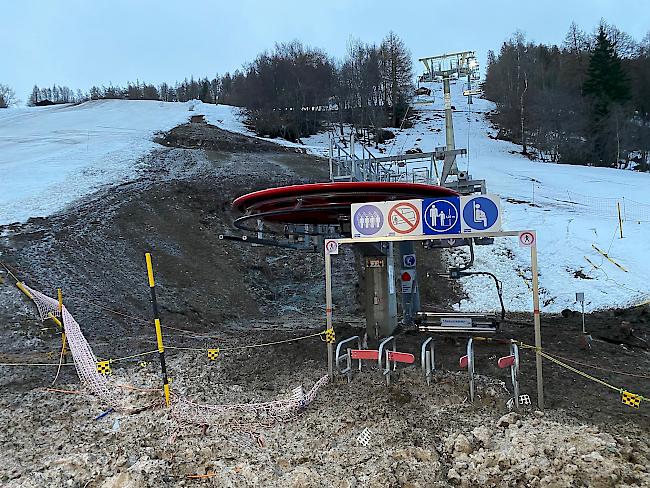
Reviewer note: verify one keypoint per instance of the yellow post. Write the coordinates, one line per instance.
(156, 320)
(620, 219)
(21, 287)
(65, 359)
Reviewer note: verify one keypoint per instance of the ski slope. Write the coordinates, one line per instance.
(572, 208)
(51, 156)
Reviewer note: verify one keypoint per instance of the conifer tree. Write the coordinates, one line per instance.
(608, 88)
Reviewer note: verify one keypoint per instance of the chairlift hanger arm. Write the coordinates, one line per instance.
(471, 256)
(458, 273)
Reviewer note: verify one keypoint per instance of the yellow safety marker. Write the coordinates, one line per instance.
(213, 354)
(620, 219)
(592, 264)
(65, 359)
(156, 320)
(608, 258)
(21, 286)
(104, 367)
(630, 399)
(330, 336)
(54, 319)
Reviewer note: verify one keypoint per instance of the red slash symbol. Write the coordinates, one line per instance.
(404, 218)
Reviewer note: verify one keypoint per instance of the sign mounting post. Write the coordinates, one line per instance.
(538, 329)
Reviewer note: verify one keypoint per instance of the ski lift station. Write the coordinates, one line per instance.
(384, 206)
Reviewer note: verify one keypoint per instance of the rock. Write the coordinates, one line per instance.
(425, 455)
(593, 457)
(482, 434)
(122, 480)
(532, 472)
(301, 477)
(508, 419)
(452, 474)
(462, 444)
(492, 392)
(570, 469)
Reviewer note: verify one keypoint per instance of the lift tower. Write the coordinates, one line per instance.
(446, 67)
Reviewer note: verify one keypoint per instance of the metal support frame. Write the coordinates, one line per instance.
(386, 370)
(345, 165)
(445, 66)
(470, 367)
(535, 291)
(514, 372)
(410, 301)
(428, 359)
(512, 361)
(347, 356)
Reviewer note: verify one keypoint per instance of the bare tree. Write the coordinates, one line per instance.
(7, 96)
(397, 73)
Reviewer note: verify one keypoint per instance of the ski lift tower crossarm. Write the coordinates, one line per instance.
(369, 240)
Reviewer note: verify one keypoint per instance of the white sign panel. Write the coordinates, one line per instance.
(404, 218)
(331, 247)
(386, 219)
(474, 91)
(407, 279)
(368, 219)
(456, 322)
(527, 238)
(430, 216)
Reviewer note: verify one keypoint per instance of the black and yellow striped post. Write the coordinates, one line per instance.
(156, 319)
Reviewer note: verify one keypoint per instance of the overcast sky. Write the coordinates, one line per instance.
(81, 43)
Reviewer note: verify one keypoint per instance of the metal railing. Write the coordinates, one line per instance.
(346, 164)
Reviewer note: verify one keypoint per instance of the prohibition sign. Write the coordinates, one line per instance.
(331, 247)
(526, 239)
(404, 218)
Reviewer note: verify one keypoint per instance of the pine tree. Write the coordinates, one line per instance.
(34, 97)
(608, 88)
(606, 81)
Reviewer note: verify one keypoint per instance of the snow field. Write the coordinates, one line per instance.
(51, 156)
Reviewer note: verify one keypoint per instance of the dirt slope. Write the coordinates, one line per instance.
(223, 294)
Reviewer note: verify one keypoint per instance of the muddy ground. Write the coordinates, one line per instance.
(217, 293)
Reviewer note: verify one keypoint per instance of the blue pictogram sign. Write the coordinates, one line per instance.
(480, 213)
(409, 260)
(368, 220)
(441, 215)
